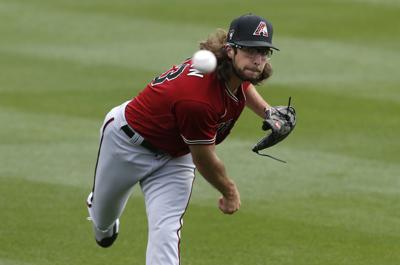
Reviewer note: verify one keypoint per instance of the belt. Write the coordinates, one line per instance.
(128, 131)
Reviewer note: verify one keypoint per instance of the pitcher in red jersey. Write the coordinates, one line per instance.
(159, 137)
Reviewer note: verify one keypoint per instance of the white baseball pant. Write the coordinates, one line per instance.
(165, 181)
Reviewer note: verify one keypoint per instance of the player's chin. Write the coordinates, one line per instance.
(251, 74)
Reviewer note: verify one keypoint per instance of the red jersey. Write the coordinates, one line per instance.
(183, 107)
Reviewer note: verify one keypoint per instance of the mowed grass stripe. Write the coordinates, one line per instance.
(334, 63)
(334, 19)
(314, 60)
(327, 63)
(378, 3)
(47, 225)
(102, 39)
(270, 236)
(310, 185)
(59, 142)
(64, 87)
(14, 262)
(48, 147)
(333, 123)
(330, 115)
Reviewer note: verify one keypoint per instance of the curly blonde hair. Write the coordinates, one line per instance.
(216, 43)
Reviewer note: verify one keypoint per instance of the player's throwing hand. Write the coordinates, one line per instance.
(231, 204)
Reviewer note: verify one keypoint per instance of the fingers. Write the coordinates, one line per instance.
(229, 206)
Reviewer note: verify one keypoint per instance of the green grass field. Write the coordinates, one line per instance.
(64, 64)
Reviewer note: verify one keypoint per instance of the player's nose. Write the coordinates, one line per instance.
(258, 58)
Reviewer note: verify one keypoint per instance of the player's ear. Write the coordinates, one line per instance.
(229, 51)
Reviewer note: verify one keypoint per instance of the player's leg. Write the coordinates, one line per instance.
(115, 175)
(167, 192)
(114, 181)
(111, 188)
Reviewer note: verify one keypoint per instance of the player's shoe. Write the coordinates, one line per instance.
(106, 238)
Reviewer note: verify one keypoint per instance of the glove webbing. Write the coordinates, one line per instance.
(270, 156)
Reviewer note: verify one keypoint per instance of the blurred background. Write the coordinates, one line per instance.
(65, 64)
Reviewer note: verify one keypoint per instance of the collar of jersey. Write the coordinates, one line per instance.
(230, 93)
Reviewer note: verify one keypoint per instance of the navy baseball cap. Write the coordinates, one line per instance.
(251, 31)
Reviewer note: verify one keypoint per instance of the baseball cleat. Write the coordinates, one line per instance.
(107, 241)
(104, 238)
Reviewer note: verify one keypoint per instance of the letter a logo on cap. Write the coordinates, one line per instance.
(261, 30)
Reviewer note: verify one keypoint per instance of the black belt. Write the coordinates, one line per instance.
(128, 131)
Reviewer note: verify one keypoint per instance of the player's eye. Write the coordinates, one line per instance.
(265, 52)
(254, 51)
(251, 51)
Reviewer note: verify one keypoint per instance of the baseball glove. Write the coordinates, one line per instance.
(281, 120)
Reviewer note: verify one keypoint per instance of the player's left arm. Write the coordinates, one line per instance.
(255, 101)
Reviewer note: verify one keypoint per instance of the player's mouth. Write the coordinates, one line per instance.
(252, 71)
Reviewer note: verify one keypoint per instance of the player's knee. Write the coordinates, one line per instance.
(166, 231)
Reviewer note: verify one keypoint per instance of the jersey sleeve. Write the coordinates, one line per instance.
(196, 121)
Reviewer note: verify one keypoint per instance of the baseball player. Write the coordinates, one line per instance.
(158, 138)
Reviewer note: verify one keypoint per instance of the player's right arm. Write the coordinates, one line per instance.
(256, 102)
(197, 124)
(213, 170)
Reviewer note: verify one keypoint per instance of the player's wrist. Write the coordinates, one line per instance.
(231, 191)
(268, 110)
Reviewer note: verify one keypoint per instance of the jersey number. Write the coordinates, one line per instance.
(170, 75)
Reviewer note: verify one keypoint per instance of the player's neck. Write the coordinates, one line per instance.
(234, 83)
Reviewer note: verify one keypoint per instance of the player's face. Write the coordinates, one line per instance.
(249, 62)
